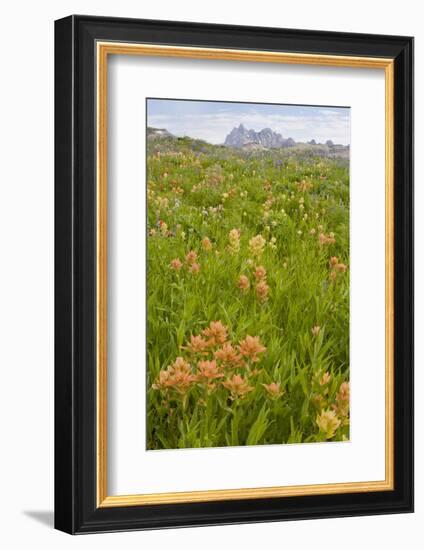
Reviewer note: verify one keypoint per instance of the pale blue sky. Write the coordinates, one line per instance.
(213, 120)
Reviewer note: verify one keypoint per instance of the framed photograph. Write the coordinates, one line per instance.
(234, 274)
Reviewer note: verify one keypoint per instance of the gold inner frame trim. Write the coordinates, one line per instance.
(103, 50)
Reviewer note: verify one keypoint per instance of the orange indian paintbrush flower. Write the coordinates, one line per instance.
(206, 244)
(177, 376)
(228, 355)
(324, 239)
(251, 347)
(191, 257)
(162, 382)
(176, 264)
(197, 344)
(333, 276)
(238, 386)
(262, 290)
(342, 400)
(216, 333)
(341, 268)
(194, 268)
(243, 283)
(208, 371)
(260, 273)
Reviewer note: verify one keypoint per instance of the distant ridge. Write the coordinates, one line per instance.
(242, 138)
(153, 133)
(247, 142)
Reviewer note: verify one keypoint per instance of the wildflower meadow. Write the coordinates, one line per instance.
(247, 295)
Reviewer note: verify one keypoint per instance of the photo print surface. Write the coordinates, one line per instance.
(247, 274)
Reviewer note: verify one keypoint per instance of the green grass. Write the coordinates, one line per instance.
(290, 198)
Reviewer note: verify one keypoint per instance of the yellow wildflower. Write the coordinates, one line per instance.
(328, 423)
(234, 238)
(272, 242)
(315, 330)
(273, 390)
(256, 246)
(325, 379)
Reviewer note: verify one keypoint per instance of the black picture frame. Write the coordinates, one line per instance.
(76, 510)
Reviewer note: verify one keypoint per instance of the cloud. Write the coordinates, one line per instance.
(320, 124)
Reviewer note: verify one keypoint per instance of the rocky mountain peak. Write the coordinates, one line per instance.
(242, 137)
